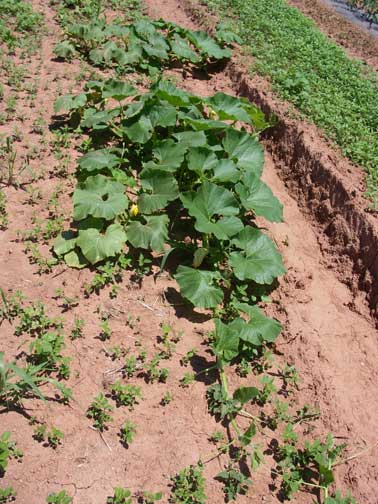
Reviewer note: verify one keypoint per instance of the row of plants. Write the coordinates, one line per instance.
(177, 178)
(306, 68)
(369, 9)
(144, 46)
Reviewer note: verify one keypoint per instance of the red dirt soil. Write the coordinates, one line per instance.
(333, 346)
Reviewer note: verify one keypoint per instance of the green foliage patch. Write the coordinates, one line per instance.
(144, 45)
(19, 23)
(337, 93)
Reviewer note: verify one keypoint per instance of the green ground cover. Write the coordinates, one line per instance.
(337, 93)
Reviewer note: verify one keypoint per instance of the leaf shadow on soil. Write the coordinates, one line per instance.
(199, 365)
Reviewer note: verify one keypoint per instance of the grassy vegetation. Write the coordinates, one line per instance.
(337, 93)
(20, 25)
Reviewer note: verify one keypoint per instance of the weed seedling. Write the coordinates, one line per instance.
(121, 496)
(234, 483)
(7, 494)
(67, 302)
(187, 380)
(52, 438)
(184, 361)
(40, 433)
(266, 392)
(77, 331)
(125, 395)
(106, 332)
(34, 321)
(290, 377)
(220, 404)
(151, 498)
(16, 382)
(153, 373)
(59, 498)
(243, 368)
(55, 437)
(116, 352)
(188, 486)
(8, 450)
(166, 399)
(304, 466)
(46, 351)
(130, 366)
(217, 437)
(98, 410)
(127, 433)
(3, 212)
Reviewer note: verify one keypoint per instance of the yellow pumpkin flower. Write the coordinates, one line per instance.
(134, 210)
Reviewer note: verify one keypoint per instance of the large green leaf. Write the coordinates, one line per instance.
(208, 45)
(245, 150)
(98, 160)
(139, 131)
(257, 196)
(201, 288)
(162, 114)
(65, 50)
(160, 186)
(96, 246)
(201, 160)
(170, 154)
(191, 138)
(100, 197)
(260, 327)
(70, 102)
(208, 204)
(98, 119)
(151, 235)
(226, 345)
(258, 258)
(224, 34)
(228, 107)
(245, 394)
(182, 50)
(156, 47)
(144, 29)
(75, 259)
(175, 96)
(206, 124)
(64, 243)
(118, 90)
(226, 171)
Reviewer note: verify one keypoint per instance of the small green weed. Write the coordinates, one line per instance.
(188, 486)
(8, 450)
(125, 395)
(127, 433)
(59, 498)
(99, 410)
(121, 496)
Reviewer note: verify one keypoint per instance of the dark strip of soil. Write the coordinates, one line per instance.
(355, 16)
